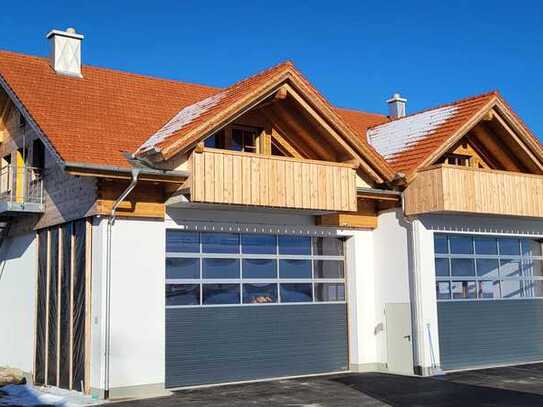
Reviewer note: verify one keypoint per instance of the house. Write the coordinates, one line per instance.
(159, 234)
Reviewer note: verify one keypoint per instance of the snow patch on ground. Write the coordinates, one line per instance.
(26, 395)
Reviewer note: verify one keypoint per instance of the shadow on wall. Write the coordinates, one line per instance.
(424, 391)
(14, 248)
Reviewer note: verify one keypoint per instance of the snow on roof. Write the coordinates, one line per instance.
(181, 119)
(392, 138)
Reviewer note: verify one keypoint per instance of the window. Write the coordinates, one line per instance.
(457, 159)
(235, 138)
(211, 269)
(469, 267)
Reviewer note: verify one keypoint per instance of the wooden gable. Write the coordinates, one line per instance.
(495, 141)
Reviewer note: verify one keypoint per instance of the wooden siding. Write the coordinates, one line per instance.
(145, 201)
(227, 177)
(448, 188)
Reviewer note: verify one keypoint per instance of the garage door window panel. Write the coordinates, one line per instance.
(213, 268)
(221, 294)
(493, 268)
(249, 269)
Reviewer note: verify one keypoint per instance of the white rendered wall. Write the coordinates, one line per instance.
(361, 299)
(18, 270)
(391, 269)
(137, 355)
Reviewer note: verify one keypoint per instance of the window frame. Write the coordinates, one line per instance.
(500, 258)
(277, 280)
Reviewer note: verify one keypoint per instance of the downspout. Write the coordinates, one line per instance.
(107, 316)
(419, 329)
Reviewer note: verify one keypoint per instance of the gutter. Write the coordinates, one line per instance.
(378, 191)
(70, 165)
(135, 172)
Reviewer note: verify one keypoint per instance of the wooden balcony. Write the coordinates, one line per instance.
(453, 189)
(229, 177)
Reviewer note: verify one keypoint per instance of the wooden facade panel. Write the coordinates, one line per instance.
(471, 190)
(145, 201)
(227, 177)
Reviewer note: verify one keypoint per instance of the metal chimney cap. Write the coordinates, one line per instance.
(396, 98)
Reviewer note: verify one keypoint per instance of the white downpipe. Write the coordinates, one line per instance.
(107, 318)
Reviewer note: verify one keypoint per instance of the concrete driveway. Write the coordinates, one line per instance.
(508, 386)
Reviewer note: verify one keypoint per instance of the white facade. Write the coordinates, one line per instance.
(137, 310)
(393, 264)
(18, 266)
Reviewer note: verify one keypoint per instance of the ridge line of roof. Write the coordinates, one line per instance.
(118, 71)
(440, 106)
(353, 110)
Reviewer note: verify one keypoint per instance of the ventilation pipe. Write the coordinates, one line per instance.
(396, 106)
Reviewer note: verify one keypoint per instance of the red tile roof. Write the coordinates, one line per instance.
(360, 122)
(177, 130)
(97, 118)
(407, 142)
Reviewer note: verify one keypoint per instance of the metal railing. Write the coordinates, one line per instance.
(21, 185)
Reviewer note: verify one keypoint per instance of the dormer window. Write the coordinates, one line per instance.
(235, 138)
(457, 159)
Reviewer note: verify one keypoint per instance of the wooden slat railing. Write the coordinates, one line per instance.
(229, 177)
(448, 188)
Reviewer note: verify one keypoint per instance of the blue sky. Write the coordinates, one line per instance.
(356, 53)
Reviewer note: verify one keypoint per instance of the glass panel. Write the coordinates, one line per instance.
(259, 268)
(182, 294)
(509, 247)
(327, 246)
(294, 268)
(328, 268)
(220, 242)
(329, 292)
(531, 247)
(532, 268)
(440, 244)
(510, 268)
(461, 244)
(220, 268)
(512, 289)
(486, 245)
(211, 142)
(442, 267)
(259, 293)
(443, 290)
(462, 267)
(489, 289)
(178, 241)
(177, 267)
(464, 289)
(296, 293)
(300, 245)
(221, 294)
(533, 288)
(258, 244)
(487, 268)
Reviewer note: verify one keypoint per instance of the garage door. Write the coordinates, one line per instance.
(490, 305)
(253, 306)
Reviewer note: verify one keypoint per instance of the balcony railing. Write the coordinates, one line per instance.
(453, 189)
(21, 189)
(228, 177)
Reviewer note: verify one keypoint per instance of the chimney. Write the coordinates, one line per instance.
(396, 106)
(65, 52)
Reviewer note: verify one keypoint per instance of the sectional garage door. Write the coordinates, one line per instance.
(253, 306)
(490, 300)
